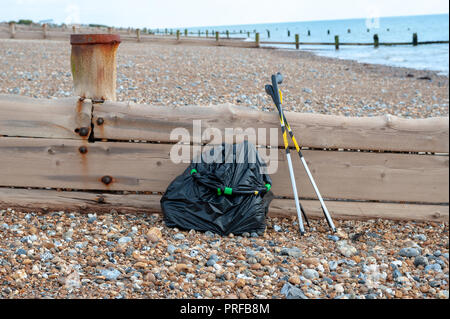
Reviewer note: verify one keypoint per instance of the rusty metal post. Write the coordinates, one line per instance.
(93, 62)
(44, 30)
(12, 29)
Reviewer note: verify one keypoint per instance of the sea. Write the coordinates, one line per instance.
(434, 57)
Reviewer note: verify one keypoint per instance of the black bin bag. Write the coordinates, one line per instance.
(225, 190)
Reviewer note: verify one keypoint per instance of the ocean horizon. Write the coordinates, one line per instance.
(433, 57)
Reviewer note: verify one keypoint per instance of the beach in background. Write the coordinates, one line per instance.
(389, 29)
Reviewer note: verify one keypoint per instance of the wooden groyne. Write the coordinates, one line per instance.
(215, 38)
(90, 152)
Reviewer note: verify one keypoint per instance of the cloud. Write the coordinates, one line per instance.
(73, 14)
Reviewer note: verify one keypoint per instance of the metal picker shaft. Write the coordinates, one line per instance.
(291, 169)
(311, 178)
(277, 98)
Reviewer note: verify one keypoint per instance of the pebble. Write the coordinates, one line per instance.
(345, 249)
(110, 274)
(293, 252)
(179, 236)
(154, 235)
(420, 261)
(124, 240)
(409, 252)
(292, 292)
(433, 267)
(310, 274)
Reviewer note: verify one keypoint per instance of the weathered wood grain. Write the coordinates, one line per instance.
(129, 121)
(29, 117)
(148, 167)
(47, 200)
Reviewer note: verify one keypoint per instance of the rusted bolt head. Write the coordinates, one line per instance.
(106, 180)
(84, 131)
(100, 199)
(83, 149)
(100, 121)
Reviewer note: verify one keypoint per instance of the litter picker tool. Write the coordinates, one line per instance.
(277, 98)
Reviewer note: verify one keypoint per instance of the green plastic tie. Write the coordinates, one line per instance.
(193, 171)
(268, 186)
(219, 191)
(228, 190)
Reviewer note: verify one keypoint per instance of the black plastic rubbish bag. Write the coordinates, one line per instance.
(224, 191)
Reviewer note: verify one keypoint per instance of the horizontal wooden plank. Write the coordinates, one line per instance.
(129, 121)
(47, 200)
(30, 117)
(148, 167)
(363, 210)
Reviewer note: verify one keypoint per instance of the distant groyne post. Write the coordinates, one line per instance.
(178, 35)
(309, 33)
(185, 32)
(228, 34)
(12, 30)
(217, 36)
(206, 33)
(74, 29)
(138, 35)
(257, 39)
(44, 30)
(349, 31)
(268, 34)
(415, 39)
(336, 42)
(248, 34)
(289, 33)
(297, 41)
(376, 41)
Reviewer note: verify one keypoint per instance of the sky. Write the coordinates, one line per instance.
(190, 13)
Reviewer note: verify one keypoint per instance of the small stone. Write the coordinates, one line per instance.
(110, 274)
(240, 283)
(46, 256)
(433, 267)
(293, 252)
(171, 249)
(339, 288)
(124, 240)
(154, 235)
(181, 268)
(277, 228)
(21, 251)
(409, 252)
(292, 292)
(310, 274)
(420, 261)
(179, 236)
(421, 237)
(294, 279)
(333, 238)
(332, 265)
(345, 249)
(311, 261)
